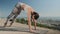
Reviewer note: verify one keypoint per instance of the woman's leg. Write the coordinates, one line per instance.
(5, 23)
(13, 20)
(8, 19)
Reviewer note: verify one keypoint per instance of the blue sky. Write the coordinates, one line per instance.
(46, 8)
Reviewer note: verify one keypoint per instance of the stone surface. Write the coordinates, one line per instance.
(18, 28)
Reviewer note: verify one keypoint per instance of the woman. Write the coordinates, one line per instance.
(30, 14)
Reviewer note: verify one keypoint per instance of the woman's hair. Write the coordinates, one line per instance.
(36, 15)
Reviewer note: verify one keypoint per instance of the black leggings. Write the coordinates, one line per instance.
(12, 15)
